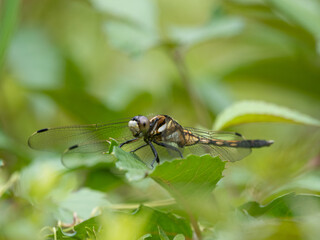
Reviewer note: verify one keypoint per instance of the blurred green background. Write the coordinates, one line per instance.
(92, 61)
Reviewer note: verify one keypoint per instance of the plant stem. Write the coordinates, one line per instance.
(195, 226)
(159, 203)
(178, 59)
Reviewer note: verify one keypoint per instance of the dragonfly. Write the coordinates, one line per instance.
(152, 138)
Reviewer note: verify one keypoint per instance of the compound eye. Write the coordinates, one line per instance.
(144, 123)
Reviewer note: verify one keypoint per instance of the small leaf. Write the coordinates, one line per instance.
(218, 28)
(113, 143)
(179, 237)
(288, 205)
(146, 236)
(136, 169)
(191, 176)
(258, 111)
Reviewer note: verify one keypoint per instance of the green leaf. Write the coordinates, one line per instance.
(136, 169)
(83, 202)
(140, 12)
(130, 38)
(146, 236)
(258, 111)
(8, 19)
(305, 13)
(219, 28)
(169, 223)
(179, 237)
(35, 60)
(135, 28)
(81, 231)
(288, 205)
(195, 175)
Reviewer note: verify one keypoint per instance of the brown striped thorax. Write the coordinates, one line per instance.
(160, 134)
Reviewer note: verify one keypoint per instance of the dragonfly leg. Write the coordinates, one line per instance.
(139, 147)
(169, 146)
(129, 141)
(156, 157)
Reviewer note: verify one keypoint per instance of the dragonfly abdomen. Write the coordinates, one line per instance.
(258, 143)
(237, 144)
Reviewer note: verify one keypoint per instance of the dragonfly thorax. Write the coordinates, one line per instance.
(139, 126)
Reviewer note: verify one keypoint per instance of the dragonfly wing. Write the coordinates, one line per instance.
(225, 153)
(60, 138)
(87, 154)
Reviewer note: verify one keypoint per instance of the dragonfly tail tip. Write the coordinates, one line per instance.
(270, 142)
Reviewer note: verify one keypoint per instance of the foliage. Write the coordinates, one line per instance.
(246, 66)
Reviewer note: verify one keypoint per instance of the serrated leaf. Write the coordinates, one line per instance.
(136, 169)
(258, 111)
(222, 27)
(191, 176)
(288, 205)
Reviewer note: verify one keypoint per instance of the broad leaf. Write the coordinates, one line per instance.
(305, 13)
(257, 111)
(191, 176)
(288, 205)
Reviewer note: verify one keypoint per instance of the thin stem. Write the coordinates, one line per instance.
(159, 203)
(195, 226)
(200, 110)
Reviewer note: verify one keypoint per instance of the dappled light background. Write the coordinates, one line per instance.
(92, 61)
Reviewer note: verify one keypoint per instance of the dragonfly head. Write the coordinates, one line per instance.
(139, 126)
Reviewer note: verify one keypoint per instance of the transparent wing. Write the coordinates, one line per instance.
(92, 153)
(61, 138)
(225, 153)
(87, 154)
